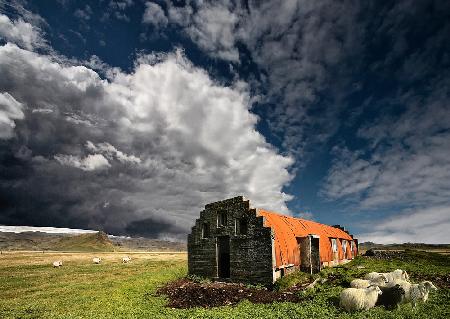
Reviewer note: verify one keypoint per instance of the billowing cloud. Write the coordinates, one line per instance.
(91, 162)
(299, 48)
(213, 26)
(162, 142)
(154, 15)
(111, 152)
(10, 110)
(20, 32)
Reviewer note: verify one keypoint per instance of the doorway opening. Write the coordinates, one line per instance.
(309, 253)
(223, 257)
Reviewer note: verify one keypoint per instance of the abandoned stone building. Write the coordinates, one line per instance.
(232, 241)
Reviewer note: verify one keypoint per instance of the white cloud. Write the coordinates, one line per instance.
(121, 5)
(154, 15)
(49, 230)
(295, 44)
(428, 225)
(91, 162)
(77, 119)
(195, 139)
(20, 32)
(42, 110)
(10, 110)
(213, 27)
(111, 152)
(404, 166)
(407, 161)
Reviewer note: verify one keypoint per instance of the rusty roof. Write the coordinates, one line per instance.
(287, 229)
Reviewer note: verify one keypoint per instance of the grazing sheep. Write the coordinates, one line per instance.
(427, 287)
(397, 274)
(126, 259)
(359, 299)
(391, 297)
(96, 260)
(416, 292)
(364, 283)
(57, 264)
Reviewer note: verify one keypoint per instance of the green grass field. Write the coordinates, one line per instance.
(31, 288)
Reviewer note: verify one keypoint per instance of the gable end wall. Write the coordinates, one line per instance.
(251, 258)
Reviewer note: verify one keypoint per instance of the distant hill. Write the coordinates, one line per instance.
(83, 242)
(27, 241)
(146, 244)
(416, 246)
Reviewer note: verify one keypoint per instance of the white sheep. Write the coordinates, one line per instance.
(397, 274)
(57, 264)
(126, 259)
(96, 260)
(415, 292)
(426, 286)
(359, 299)
(364, 283)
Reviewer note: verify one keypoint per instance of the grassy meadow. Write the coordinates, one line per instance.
(31, 288)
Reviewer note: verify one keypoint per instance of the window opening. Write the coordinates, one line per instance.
(334, 245)
(222, 219)
(242, 226)
(205, 230)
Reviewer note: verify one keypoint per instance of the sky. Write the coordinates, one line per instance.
(129, 116)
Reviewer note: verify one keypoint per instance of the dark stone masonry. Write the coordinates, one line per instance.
(229, 242)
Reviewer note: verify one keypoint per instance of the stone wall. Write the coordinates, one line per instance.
(251, 258)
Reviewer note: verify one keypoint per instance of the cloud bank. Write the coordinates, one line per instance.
(142, 152)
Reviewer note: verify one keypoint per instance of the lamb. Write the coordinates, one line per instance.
(391, 297)
(96, 260)
(126, 259)
(57, 264)
(415, 292)
(364, 283)
(359, 299)
(397, 274)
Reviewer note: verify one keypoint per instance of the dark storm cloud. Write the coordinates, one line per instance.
(153, 226)
(366, 81)
(116, 155)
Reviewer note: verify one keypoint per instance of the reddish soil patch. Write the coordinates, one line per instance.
(185, 293)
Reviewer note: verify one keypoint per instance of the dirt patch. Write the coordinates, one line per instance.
(185, 293)
(440, 281)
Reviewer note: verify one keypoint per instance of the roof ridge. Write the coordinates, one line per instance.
(258, 210)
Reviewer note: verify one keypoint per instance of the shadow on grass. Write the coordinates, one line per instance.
(334, 300)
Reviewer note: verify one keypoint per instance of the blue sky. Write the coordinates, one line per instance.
(129, 116)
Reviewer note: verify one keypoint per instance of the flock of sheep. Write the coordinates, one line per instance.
(386, 289)
(95, 260)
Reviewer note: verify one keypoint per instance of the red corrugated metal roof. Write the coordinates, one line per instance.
(287, 229)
